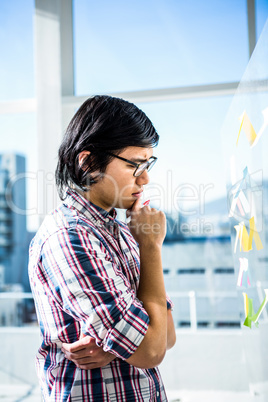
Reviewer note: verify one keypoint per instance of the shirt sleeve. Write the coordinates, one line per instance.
(89, 286)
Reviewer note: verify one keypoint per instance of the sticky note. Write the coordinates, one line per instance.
(244, 183)
(249, 312)
(247, 128)
(243, 276)
(253, 234)
(248, 306)
(240, 201)
(242, 235)
(246, 239)
(263, 127)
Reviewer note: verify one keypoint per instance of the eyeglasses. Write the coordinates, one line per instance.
(140, 167)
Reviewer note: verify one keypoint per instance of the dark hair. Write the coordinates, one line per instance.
(102, 124)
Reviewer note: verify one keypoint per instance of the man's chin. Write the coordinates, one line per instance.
(126, 204)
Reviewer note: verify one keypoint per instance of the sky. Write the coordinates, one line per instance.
(124, 46)
(159, 43)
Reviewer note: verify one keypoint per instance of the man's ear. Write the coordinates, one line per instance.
(82, 156)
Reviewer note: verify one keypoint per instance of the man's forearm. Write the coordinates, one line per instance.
(152, 293)
(151, 286)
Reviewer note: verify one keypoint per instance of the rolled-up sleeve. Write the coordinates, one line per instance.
(88, 284)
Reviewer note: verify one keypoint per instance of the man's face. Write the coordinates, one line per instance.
(119, 188)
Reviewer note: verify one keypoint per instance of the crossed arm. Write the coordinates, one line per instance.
(87, 355)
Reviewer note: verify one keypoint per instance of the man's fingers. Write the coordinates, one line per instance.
(83, 353)
(73, 347)
(76, 355)
(136, 206)
(80, 344)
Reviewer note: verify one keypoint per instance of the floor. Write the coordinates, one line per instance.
(17, 393)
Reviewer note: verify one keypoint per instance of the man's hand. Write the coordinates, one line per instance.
(147, 225)
(86, 354)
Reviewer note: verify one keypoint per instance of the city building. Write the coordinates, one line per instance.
(13, 230)
(13, 238)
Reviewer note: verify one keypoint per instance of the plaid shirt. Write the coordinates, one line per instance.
(84, 274)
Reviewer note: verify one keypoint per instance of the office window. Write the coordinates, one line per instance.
(17, 57)
(190, 168)
(124, 46)
(261, 15)
(19, 137)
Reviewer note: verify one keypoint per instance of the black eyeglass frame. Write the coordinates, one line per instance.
(150, 163)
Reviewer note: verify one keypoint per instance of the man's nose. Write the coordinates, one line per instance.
(143, 178)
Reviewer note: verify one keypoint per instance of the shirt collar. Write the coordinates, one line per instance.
(76, 200)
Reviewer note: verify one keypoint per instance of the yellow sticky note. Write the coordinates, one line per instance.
(242, 235)
(246, 245)
(247, 128)
(253, 234)
(246, 239)
(246, 306)
(263, 127)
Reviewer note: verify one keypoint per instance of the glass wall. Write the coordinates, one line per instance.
(245, 142)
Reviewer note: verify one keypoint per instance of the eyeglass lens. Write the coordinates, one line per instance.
(143, 166)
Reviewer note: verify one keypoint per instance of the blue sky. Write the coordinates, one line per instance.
(122, 46)
(158, 43)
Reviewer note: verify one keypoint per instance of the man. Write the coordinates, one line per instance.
(98, 283)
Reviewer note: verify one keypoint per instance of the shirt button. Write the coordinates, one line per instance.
(107, 220)
(157, 394)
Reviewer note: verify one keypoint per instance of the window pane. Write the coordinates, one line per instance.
(16, 37)
(189, 152)
(18, 137)
(261, 15)
(122, 46)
